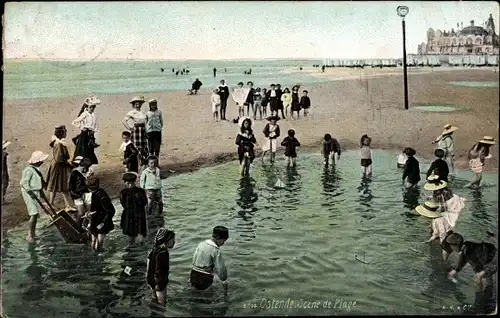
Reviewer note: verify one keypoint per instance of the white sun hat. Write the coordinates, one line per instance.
(37, 157)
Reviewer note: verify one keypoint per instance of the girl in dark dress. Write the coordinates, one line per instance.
(158, 265)
(85, 142)
(295, 101)
(291, 143)
(101, 214)
(245, 141)
(412, 169)
(130, 153)
(133, 200)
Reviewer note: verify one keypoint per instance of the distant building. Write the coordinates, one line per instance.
(471, 40)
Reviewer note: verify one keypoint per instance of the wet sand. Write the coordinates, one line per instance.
(191, 139)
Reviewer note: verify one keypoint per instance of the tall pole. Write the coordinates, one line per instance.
(405, 70)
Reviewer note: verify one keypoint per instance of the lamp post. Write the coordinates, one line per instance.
(402, 12)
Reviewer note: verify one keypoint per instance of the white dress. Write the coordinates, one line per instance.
(453, 208)
(270, 144)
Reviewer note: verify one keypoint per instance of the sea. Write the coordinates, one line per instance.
(38, 79)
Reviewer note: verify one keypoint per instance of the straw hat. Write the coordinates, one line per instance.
(137, 99)
(152, 101)
(429, 209)
(37, 157)
(433, 183)
(488, 140)
(92, 100)
(242, 119)
(448, 129)
(5, 144)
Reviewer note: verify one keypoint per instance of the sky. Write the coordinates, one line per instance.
(227, 29)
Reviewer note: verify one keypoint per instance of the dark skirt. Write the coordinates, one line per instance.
(139, 139)
(273, 103)
(98, 218)
(84, 146)
(201, 281)
(366, 162)
(241, 154)
(59, 170)
(295, 103)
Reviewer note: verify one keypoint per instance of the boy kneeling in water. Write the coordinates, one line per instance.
(483, 259)
(207, 260)
(159, 264)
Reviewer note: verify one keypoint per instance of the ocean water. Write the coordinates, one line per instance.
(49, 79)
(300, 243)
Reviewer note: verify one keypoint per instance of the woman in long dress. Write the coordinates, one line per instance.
(88, 124)
(133, 200)
(60, 167)
(135, 122)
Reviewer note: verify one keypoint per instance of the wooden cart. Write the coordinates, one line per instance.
(71, 231)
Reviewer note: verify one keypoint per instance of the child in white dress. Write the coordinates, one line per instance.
(271, 132)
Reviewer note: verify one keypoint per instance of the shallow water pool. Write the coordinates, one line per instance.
(475, 84)
(292, 250)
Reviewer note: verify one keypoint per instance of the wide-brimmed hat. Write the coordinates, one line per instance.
(152, 101)
(5, 144)
(272, 118)
(130, 176)
(242, 119)
(139, 99)
(488, 140)
(448, 129)
(434, 183)
(429, 209)
(37, 157)
(92, 100)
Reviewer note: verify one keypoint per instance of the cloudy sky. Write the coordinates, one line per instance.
(226, 30)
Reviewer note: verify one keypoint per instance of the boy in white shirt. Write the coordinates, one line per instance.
(151, 182)
(215, 104)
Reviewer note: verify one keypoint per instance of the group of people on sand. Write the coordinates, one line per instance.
(252, 101)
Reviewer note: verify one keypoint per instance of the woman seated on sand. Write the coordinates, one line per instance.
(477, 157)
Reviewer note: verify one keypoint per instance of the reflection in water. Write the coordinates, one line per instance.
(247, 197)
(477, 206)
(35, 272)
(411, 197)
(365, 198)
(293, 187)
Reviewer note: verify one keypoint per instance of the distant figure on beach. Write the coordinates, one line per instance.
(225, 70)
(439, 167)
(300, 68)
(329, 147)
(85, 142)
(162, 70)
(134, 201)
(323, 69)
(187, 71)
(445, 141)
(135, 122)
(215, 72)
(305, 103)
(224, 95)
(195, 87)
(173, 70)
(177, 73)
(250, 72)
(366, 155)
(477, 157)
(5, 170)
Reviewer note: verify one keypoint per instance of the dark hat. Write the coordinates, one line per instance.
(62, 127)
(305, 91)
(129, 176)
(249, 82)
(84, 162)
(291, 132)
(240, 83)
(272, 118)
(272, 85)
(220, 232)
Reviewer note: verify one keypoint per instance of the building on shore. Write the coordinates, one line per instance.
(471, 40)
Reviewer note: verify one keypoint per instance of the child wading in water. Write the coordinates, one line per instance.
(291, 143)
(101, 213)
(477, 156)
(366, 155)
(445, 142)
(32, 185)
(271, 132)
(439, 167)
(329, 147)
(133, 200)
(245, 141)
(215, 104)
(130, 153)
(411, 172)
(158, 265)
(151, 182)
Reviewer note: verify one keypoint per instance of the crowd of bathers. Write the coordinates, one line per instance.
(76, 180)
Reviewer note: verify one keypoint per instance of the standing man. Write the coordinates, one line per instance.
(279, 92)
(224, 95)
(249, 98)
(215, 72)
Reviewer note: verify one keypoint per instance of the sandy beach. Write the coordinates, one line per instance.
(347, 108)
